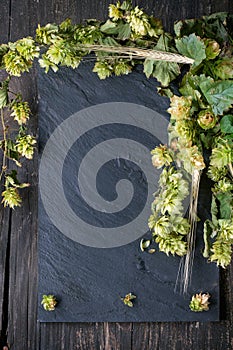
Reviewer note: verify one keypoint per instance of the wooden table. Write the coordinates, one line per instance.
(18, 235)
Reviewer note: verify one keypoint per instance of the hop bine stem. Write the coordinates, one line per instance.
(5, 146)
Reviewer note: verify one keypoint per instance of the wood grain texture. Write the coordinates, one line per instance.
(19, 18)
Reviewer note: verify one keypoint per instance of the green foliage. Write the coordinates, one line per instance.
(193, 47)
(163, 71)
(201, 118)
(216, 26)
(168, 226)
(20, 111)
(11, 197)
(219, 95)
(226, 124)
(223, 68)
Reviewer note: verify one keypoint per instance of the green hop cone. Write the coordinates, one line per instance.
(21, 112)
(138, 21)
(206, 119)
(114, 12)
(212, 49)
(172, 244)
(221, 253)
(103, 70)
(180, 107)
(25, 146)
(11, 197)
(200, 302)
(161, 156)
(49, 302)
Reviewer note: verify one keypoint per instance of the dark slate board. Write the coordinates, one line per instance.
(81, 259)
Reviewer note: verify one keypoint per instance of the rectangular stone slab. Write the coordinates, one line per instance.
(96, 187)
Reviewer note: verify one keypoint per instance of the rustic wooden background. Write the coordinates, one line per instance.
(18, 235)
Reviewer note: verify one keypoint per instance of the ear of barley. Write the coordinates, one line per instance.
(186, 265)
(138, 53)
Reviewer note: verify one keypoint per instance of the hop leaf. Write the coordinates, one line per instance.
(224, 68)
(226, 124)
(192, 46)
(219, 95)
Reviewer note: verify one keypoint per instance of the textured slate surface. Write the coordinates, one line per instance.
(89, 281)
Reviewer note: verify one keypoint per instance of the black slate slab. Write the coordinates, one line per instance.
(96, 186)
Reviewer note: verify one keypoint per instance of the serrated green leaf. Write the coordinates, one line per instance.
(225, 200)
(226, 124)
(188, 26)
(165, 72)
(109, 27)
(163, 43)
(124, 31)
(219, 95)
(109, 41)
(148, 67)
(191, 46)
(224, 68)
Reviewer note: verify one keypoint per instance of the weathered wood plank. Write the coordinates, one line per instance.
(5, 214)
(5, 16)
(4, 241)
